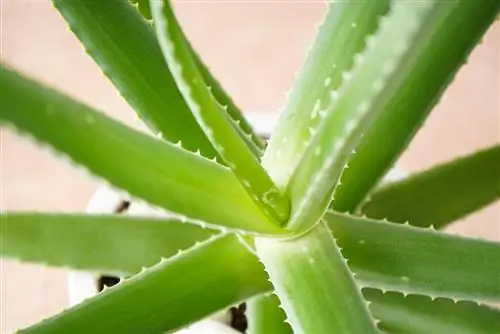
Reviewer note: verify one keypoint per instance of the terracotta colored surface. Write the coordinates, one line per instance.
(254, 48)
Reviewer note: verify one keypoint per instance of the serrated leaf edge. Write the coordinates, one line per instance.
(123, 282)
(361, 109)
(89, 173)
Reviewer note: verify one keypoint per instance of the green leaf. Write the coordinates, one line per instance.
(212, 118)
(415, 260)
(102, 243)
(254, 149)
(356, 105)
(254, 141)
(157, 171)
(246, 130)
(434, 60)
(315, 287)
(143, 6)
(341, 37)
(442, 194)
(164, 298)
(416, 314)
(265, 316)
(125, 47)
(248, 277)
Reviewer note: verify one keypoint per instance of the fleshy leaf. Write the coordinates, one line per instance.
(212, 117)
(102, 243)
(157, 171)
(163, 298)
(265, 315)
(417, 314)
(252, 138)
(449, 40)
(340, 39)
(315, 287)
(442, 194)
(374, 78)
(254, 141)
(415, 260)
(382, 255)
(125, 47)
(249, 277)
(393, 66)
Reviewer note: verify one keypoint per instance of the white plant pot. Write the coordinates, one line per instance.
(83, 285)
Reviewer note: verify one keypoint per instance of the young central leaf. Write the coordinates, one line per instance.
(340, 41)
(374, 79)
(212, 117)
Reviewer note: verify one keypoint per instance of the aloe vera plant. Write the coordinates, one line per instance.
(302, 231)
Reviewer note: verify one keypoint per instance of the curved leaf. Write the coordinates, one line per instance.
(340, 39)
(157, 171)
(125, 47)
(415, 260)
(417, 314)
(265, 315)
(103, 243)
(225, 100)
(445, 48)
(217, 90)
(245, 277)
(212, 117)
(441, 194)
(376, 77)
(146, 302)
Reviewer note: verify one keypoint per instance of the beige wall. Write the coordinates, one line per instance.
(255, 50)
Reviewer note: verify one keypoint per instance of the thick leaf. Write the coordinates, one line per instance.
(416, 314)
(387, 73)
(254, 141)
(232, 109)
(265, 316)
(248, 276)
(415, 260)
(245, 129)
(383, 255)
(156, 171)
(125, 47)
(170, 295)
(254, 148)
(212, 117)
(434, 60)
(374, 78)
(442, 194)
(341, 37)
(103, 243)
(314, 284)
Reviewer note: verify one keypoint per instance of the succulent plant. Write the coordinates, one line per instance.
(303, 230)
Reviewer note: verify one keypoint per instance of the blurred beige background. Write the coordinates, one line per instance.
(254, 48)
